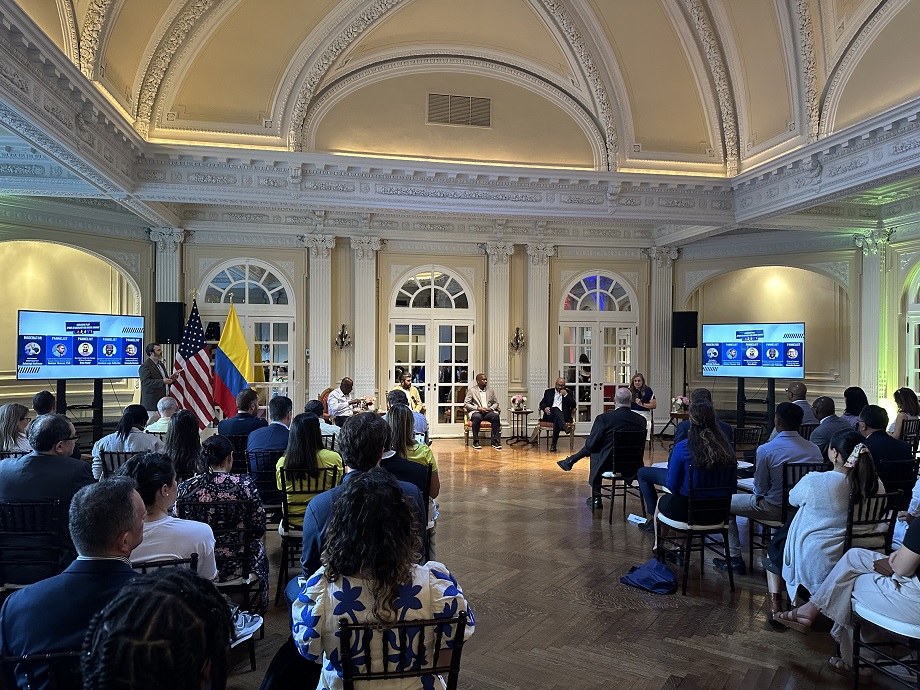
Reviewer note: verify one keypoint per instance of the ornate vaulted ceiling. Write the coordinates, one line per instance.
(728, 91)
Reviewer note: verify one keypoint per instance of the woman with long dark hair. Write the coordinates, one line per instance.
(908, 408)
(214, 482)
(854, 401)
(183, 443)
(643, 400)
(404, 444)
(305, 451)
(14, 419)
(804, 555)
(129, 437)
(370, 573)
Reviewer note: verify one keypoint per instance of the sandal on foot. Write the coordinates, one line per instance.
(838, 665)
(790, 619)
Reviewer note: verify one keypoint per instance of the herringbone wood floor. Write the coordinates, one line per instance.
(542, 575)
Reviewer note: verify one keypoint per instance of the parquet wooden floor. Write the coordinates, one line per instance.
(542, 575)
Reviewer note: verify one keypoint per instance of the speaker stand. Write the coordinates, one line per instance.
(685, 371)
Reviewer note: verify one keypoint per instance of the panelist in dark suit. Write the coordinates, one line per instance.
(107, 522)
(275, 435)
(245, 420)
(873, 420)
(48, 473)
(600, 442)
(557, 407)
(154, 379)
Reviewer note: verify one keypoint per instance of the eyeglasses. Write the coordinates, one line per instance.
(69, 438)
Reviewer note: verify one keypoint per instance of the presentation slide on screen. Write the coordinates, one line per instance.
(58, 345)
(756, 350)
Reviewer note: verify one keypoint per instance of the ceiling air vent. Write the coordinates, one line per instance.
(444, 109)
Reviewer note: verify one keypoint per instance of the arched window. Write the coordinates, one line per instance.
(597, 292)
(246, 283)
(432, 289)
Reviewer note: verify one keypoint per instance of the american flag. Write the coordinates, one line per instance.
(194, 387)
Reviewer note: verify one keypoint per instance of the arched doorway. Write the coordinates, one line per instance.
(264, 302)
(597, 338)
(431, 326)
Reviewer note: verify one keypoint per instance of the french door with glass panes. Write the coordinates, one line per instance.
(595, 359)
(437, 353)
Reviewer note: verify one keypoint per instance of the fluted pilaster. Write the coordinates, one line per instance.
(498, 253)
(364, 331)
(873, 315)
(661, 308)
(168, 243)
(538, 318)
(319, 250)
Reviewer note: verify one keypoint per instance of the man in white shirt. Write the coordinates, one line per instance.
(482, 406)
(316, 407)
(166, 407)
(340, 403)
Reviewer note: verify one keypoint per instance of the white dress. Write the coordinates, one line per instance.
(814, 543)
(433, 593)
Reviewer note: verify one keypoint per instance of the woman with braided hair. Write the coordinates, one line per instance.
(169, 629)
(370, 573)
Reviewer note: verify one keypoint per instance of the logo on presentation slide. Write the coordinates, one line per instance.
(60, 350)
(85, 349)
(792, 353)
(712, 353)
(130, 349)
(108, 350)
(751, 353)
(33, 348)
(772, 353)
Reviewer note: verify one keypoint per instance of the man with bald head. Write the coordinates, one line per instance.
(557, 407)
(796, 392)
(828, 423)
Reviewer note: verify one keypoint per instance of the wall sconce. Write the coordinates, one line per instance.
(517, 340)
(343, 340)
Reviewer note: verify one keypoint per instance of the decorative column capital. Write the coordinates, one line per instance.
(875, 240)
(167, 239)
(663, 256)
(366, 246)
(319, 245)
(540, 252)
(498, 251)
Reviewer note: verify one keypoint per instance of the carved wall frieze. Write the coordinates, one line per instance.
(840, 270)
(412, 247)
(220, 237)
(130, 261)
(564, 252)
(465, 195)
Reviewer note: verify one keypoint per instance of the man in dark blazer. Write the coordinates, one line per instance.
(275, 435)
(48, 473)
(154, 379)
(557, 407)
(107, 523)
(245, 420)
(599, 444)
(873, 420)
(829, 424)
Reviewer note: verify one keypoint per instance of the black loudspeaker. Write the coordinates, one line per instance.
(683, 329)
(170, 322)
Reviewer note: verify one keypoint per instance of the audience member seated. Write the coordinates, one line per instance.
(872, 422)
(166, 408)
(767, 500)
(305, 451)
(275, 435)
(705, 448)
(696, 395)
(106, 523)
(48, 473)
(854, 401)
(245, 421)
(216, 483)
(829, 424)
(166, 536)
(168, 629)
(316, 407)
(129, 437)
(183, 443)
(796, 392)
(908, 408)
(43, 403)
(414, 397)
(370, 574)
(599, 444)
(482, 406)
(804, 556)
(886, 584)
(14, 419)
(341, 403)
(397, 396)
(362, 443)
(404, 443)
(557, 406)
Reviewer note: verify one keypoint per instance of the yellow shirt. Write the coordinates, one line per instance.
(423, 456)
(325, 458)
(415, 400)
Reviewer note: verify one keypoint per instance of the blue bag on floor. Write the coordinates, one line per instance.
(651, 576)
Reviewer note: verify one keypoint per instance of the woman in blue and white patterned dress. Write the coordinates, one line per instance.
(370, 573)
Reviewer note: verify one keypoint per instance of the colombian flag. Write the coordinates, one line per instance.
(232, 365)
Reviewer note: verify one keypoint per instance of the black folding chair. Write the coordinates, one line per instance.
(870, 512)
(263, 468)
(112, 460)
(329, 441)
(240, 461)
(55, 670)
(145, 567)
(30, 547)
(628, 453)
(910, 433)
(806, 430)
(899, 475)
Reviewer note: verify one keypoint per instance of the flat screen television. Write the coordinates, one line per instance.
(66, 345)
(755, 350)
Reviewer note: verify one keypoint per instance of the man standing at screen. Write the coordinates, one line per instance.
(154, 380)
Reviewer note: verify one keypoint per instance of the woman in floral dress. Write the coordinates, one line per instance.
(216, 483)
(370, 573)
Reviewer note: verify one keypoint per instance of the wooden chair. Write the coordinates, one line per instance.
(55, 670)
(240, 461)
(263, 468)
(747, 439)
(112, 460)
(299, 489)
(792, 473)
(806, 430)
(159, 434)
(900, 475)
(468, 427)
(324, 399)
(871, 512)
(910, 433)
(7, 454)
(628, 453)
(880, 655)
(29, 546)
(546, 429)
(407, 649)
(707, 516)
(329, 441)
(145, 567)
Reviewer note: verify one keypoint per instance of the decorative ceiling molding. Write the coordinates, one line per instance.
(808, 66)
(94, 21)
(69, 27)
